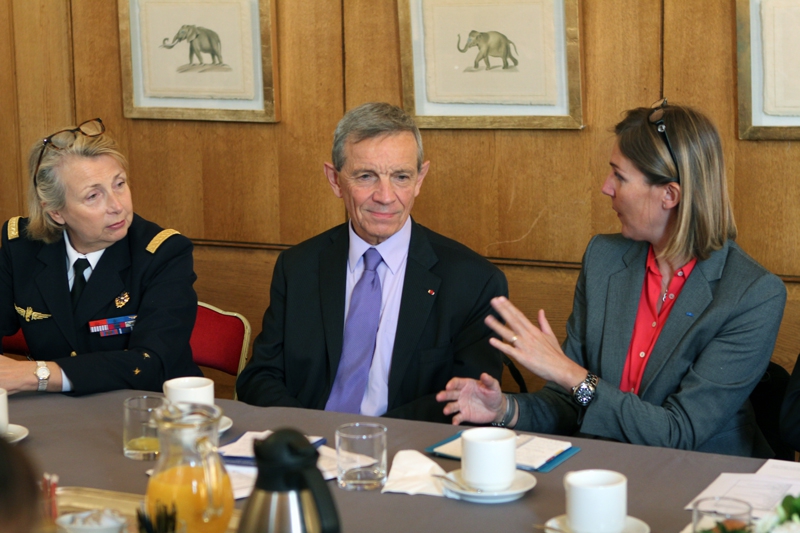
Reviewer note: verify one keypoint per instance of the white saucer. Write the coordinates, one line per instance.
(225, 424)
(632, 525)
(15, 433)
(523, 482)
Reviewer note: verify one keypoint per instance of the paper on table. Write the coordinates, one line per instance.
(532, 451)
(778, 468)
(243, 478)
(763, 493)
(243, 446)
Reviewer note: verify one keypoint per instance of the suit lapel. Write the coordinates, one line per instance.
(54, 288)
(415, 306)
(693, 300)
(332, 287)
(105, 283)
(622, 303)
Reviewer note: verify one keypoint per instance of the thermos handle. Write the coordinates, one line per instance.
(214, 474)
(328, 516)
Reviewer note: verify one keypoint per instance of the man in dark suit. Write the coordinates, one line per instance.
(319, 349)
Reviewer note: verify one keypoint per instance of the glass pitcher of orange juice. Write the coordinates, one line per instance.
(189, 472)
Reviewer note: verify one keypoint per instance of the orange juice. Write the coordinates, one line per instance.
(185, 485)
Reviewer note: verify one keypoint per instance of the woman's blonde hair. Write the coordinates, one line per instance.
(47, 191)
(705, 216)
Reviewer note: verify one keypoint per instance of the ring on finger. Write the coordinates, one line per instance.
(513, 340)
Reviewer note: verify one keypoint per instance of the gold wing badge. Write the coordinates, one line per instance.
(29, 314)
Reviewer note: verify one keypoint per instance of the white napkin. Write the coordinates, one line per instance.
(411, 474)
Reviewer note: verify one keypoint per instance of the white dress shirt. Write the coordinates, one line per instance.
(392, 273)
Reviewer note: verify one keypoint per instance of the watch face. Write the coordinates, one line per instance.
(584, 394)
(42, 372)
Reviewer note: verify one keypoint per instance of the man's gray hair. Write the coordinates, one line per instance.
(372, 120)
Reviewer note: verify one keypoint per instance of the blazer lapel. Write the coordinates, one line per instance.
(105, 283)
(332, 286)
(693, 300)
(415, 306)
(54, 288)
(622, 303)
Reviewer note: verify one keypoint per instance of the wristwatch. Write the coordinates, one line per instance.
(511, 411)
(43, 373)
(583, 392)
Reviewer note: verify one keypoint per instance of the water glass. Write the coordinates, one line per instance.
(139, 429)
(361, 456)
(708, 513)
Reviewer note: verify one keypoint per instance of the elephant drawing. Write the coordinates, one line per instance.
(490, 43)
(200, 40)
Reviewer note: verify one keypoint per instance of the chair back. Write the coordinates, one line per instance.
(767, 399)
(16, 344)
(220, 339)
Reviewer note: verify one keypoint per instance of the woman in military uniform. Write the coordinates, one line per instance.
(104, 298)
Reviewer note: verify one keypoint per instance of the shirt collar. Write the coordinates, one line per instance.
(393, 250)
(73, 254)
(683, 271)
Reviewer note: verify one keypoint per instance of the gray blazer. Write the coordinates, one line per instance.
(713, 350)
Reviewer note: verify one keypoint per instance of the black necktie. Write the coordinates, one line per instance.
(80, 280)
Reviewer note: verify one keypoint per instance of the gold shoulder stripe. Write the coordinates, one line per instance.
(159, 239)
(13, 228)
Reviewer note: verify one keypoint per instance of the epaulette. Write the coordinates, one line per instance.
(159, 239)
(13, 228)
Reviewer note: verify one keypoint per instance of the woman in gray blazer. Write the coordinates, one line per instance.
(672, 323)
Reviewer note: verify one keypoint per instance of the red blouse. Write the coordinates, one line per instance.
(649, 321)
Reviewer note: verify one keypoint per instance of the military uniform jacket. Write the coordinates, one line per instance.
(155, 285)
(440, 328)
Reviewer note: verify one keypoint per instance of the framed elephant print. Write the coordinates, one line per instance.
(768, 52)
(500, 64)
(210, 60)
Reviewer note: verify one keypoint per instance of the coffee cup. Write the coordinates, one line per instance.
(190, 389)
(488, 458)
(3, 412)
(597, 501)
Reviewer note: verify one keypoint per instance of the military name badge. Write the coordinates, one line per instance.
(122, 299)
(113, 326)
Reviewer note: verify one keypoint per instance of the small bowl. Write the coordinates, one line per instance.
(111, 522)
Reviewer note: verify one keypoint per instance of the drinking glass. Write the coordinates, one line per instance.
(708, 513)
(361, 456)
(139, 430)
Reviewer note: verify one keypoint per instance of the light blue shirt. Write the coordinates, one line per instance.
(392, 273)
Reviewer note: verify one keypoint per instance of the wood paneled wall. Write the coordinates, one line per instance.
(530, 200)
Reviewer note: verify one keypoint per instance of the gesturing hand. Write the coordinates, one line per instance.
(535, 348)
(469, 400)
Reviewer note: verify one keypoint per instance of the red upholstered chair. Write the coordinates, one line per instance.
(15, 344)
(220, 339)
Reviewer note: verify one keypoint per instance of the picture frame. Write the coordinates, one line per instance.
(157, 36)
(450, 86)
(767, 103)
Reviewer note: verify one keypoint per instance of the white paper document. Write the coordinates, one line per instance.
(243, 446)
(243, 478)
(762, 492)
(532, 451)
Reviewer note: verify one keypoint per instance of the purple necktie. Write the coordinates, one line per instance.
(358, 347)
